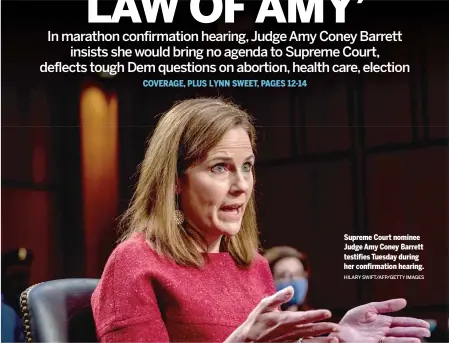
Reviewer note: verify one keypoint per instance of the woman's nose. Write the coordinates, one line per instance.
(239, 183)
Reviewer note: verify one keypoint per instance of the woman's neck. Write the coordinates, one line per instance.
(213, 245)
(213, 242)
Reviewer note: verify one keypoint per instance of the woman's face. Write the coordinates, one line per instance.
(214, 193)
(288, 268)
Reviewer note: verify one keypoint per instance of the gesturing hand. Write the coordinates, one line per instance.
(267, 324)
(367, 324)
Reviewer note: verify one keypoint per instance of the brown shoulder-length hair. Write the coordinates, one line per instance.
(183, 136)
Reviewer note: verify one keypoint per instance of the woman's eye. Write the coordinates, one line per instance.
(218, 168)
(247, 167)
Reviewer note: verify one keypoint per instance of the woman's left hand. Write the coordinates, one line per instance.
(368, 324)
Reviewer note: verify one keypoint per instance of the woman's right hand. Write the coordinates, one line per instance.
(267, 324)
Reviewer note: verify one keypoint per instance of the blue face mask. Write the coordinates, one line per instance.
(299, 285)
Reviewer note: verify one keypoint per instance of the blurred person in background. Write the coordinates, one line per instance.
(188, 268)
(12, 329)
(290, 267)
(16, 268)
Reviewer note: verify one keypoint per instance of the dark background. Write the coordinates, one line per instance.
(349, 154)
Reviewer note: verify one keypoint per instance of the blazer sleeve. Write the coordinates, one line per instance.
(124, 304)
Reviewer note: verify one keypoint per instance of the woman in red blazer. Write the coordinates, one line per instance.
(188, 268)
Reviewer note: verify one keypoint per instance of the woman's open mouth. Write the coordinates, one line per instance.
(231, 212)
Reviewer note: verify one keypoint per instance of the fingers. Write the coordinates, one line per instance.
(316, 329)
(311, 340)
(402, 340)
(307, 330)
(300, 317)
(408, 321)
(391, 305)
(409, 332)
(321, 340)
(272, 302)
(298, 324)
